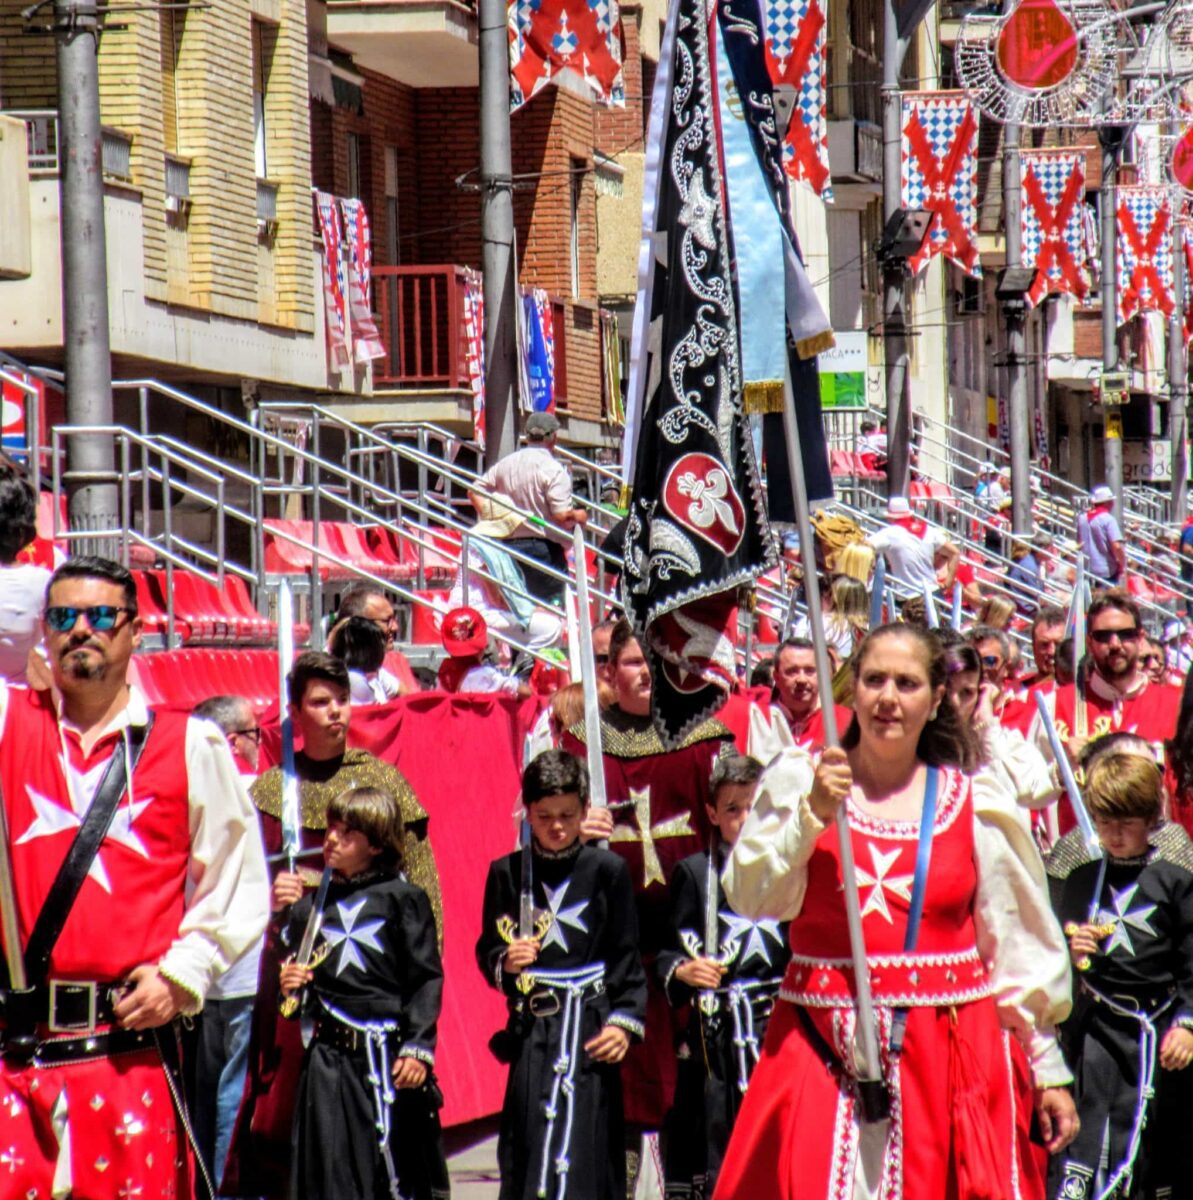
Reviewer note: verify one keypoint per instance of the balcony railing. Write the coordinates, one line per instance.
(42, 127)
(420, 316)
(421, 321)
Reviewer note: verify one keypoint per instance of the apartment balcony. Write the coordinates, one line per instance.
(421, 43)
(420, 317)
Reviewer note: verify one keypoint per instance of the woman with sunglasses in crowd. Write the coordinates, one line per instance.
(968, 967)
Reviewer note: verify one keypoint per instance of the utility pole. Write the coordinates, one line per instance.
(86, 345)
(1015, 314)
(1178, 377)
(497, 232)
(894, 270)
(1111, 137)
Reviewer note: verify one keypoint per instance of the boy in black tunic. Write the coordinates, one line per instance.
(1128, 915)
(560, 940)
(728, 992)
(366, 1123)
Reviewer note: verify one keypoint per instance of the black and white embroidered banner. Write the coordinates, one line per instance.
(698, 525)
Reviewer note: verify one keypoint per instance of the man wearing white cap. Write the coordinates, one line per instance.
(1101, 537)
(909, 545)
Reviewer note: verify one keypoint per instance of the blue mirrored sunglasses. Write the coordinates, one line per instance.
(101, 617)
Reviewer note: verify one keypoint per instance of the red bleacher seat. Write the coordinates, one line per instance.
(152, 610)
(284, 557)
(357, 548)
(192, 605)
(183, 678)
(236, 593)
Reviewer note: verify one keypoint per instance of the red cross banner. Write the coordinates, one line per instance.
(795, 59)
(940, 174)
(1144, 252)
(550, 37)
(1053, 222)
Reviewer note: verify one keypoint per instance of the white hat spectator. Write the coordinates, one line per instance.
(897, 506)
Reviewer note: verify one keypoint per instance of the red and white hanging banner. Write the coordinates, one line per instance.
(1053, 222)
(550, 37)
(334, 316)
(474, 350)
(795, 56)
(366, 341)
(1144, 252)
(940, 173)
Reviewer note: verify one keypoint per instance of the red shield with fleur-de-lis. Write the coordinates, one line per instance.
(699, 494)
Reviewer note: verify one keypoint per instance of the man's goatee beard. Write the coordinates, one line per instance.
(78, 666)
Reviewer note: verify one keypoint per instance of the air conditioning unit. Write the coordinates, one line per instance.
(267, 229)
(180, 205)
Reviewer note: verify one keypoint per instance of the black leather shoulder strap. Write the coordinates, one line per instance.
(61, 896)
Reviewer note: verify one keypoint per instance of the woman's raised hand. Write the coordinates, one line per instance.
(831, 784)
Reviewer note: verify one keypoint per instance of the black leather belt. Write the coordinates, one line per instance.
(336, 1034)
(56, 1052)
(546, 1002)
(64, 1005)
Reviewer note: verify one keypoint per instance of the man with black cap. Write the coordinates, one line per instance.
(533, 481)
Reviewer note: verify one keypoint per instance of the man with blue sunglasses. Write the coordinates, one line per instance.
(137, 877)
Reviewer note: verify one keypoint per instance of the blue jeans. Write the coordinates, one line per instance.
(220, 1068)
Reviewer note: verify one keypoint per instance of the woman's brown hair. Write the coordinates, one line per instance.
(946, 740)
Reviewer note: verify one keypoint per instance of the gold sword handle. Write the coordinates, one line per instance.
(288, 1005)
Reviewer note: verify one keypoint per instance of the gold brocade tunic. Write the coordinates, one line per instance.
(321, 782)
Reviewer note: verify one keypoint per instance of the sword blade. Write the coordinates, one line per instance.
(315, 920)
(526, 893)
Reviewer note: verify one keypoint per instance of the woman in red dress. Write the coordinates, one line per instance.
(980, 992)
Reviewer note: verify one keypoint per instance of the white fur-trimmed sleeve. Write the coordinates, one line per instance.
(1017, 934)
(766, 875)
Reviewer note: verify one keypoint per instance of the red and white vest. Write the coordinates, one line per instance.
(131, 904)
(945, 967)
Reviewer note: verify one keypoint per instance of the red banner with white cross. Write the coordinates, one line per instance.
(549, 37)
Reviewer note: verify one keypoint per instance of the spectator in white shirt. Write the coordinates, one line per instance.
(909, 545)
(533, 481)
(22, 585)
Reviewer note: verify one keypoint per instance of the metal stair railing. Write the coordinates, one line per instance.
(260, 439)
(262, 486)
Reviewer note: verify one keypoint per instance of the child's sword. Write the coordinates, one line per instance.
(306, 947)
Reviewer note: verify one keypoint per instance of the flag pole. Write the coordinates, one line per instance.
(291, 825)
(872, 1091)
(592, 706)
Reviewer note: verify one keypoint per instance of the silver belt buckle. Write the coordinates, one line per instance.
(544, 1003)
(66, 987)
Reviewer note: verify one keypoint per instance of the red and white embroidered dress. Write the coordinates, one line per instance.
(179, 881)
(984, 990)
